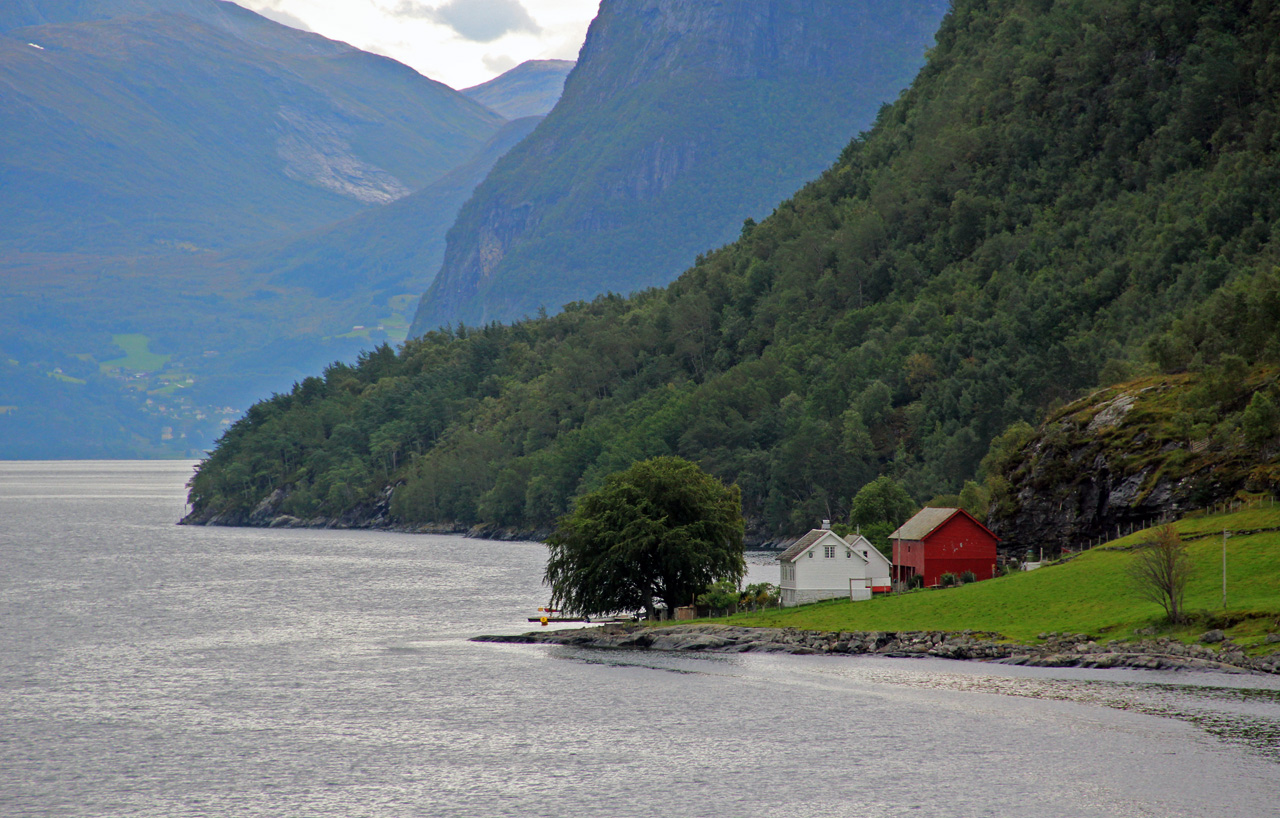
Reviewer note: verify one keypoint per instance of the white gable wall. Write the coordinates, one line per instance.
(814, 576)
(879, 569)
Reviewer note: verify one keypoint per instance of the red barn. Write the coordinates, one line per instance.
(939, 541)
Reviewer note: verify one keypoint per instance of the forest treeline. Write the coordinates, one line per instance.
(1070, 193)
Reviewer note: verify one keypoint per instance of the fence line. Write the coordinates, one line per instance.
(1224, 507)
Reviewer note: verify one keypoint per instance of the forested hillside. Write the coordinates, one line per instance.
(1060, 182)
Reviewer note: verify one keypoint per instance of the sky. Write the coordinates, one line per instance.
(458, 42)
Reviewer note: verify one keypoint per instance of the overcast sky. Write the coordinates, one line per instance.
(458, 42)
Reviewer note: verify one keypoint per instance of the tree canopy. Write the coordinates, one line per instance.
(663, 530)
(878, 508)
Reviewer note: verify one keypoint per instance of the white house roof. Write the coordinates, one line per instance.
(801, 545)
(923, 523)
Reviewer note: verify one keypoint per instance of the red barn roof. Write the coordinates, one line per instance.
(928, 520)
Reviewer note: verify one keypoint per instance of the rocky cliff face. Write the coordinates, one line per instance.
(679, 121)
(1126, 457)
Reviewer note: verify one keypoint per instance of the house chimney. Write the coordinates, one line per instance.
(826, 525)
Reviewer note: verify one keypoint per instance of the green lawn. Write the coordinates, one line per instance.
(137, 354)
(1090, 594)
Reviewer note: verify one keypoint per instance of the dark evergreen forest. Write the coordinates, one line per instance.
(1072, 193)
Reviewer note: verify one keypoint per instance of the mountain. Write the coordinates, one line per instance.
(1069, 195)
(679, 121)
(532, 88)
(169, 129)
(172, 170)
(385, 251)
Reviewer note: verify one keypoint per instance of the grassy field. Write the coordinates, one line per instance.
(1090, 594)
(137, 354)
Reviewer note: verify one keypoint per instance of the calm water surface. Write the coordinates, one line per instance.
(148, 669)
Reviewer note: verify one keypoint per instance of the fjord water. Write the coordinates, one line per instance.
(148, 669)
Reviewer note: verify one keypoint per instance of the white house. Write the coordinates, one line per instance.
(824, 565)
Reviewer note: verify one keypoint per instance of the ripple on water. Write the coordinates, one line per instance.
(148, 669)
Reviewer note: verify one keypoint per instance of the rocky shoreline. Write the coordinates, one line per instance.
(1052, 650)
(373, 516)
(376, 516)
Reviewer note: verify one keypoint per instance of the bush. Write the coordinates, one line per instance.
(948, 580)
(760, 595)
(967, 577)
(722, 596)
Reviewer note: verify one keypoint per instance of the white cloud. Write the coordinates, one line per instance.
(458, 42)
(497, 63)
(481, 21)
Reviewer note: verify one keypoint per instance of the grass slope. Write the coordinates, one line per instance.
(1090, 594)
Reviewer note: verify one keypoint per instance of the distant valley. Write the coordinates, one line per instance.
(201, 206)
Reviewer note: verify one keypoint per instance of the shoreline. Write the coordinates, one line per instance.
(1057, 650)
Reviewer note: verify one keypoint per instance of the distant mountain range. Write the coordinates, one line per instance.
(680, 121)
(207, 127)
(532, 88)
(198, 209)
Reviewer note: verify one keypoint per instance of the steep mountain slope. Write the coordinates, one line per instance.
(532, 88)
(1068, 195)
(167, 129)
(384, 251)
(679, 121)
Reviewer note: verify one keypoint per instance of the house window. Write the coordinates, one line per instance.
(810, 555)
(829, 552)
(848, 554)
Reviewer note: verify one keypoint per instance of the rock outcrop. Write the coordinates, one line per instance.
(1052, 650)
(1122, 458)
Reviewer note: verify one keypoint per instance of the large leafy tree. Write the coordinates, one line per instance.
(878, 508)
(663, 530)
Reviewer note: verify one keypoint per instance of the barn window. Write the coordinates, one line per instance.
(829, 552)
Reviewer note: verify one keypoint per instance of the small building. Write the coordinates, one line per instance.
(824, 565)
(939, 541)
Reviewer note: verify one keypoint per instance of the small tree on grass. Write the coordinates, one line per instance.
(1160, 571)
(661, 530)
(722, 597)
(760, 595)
